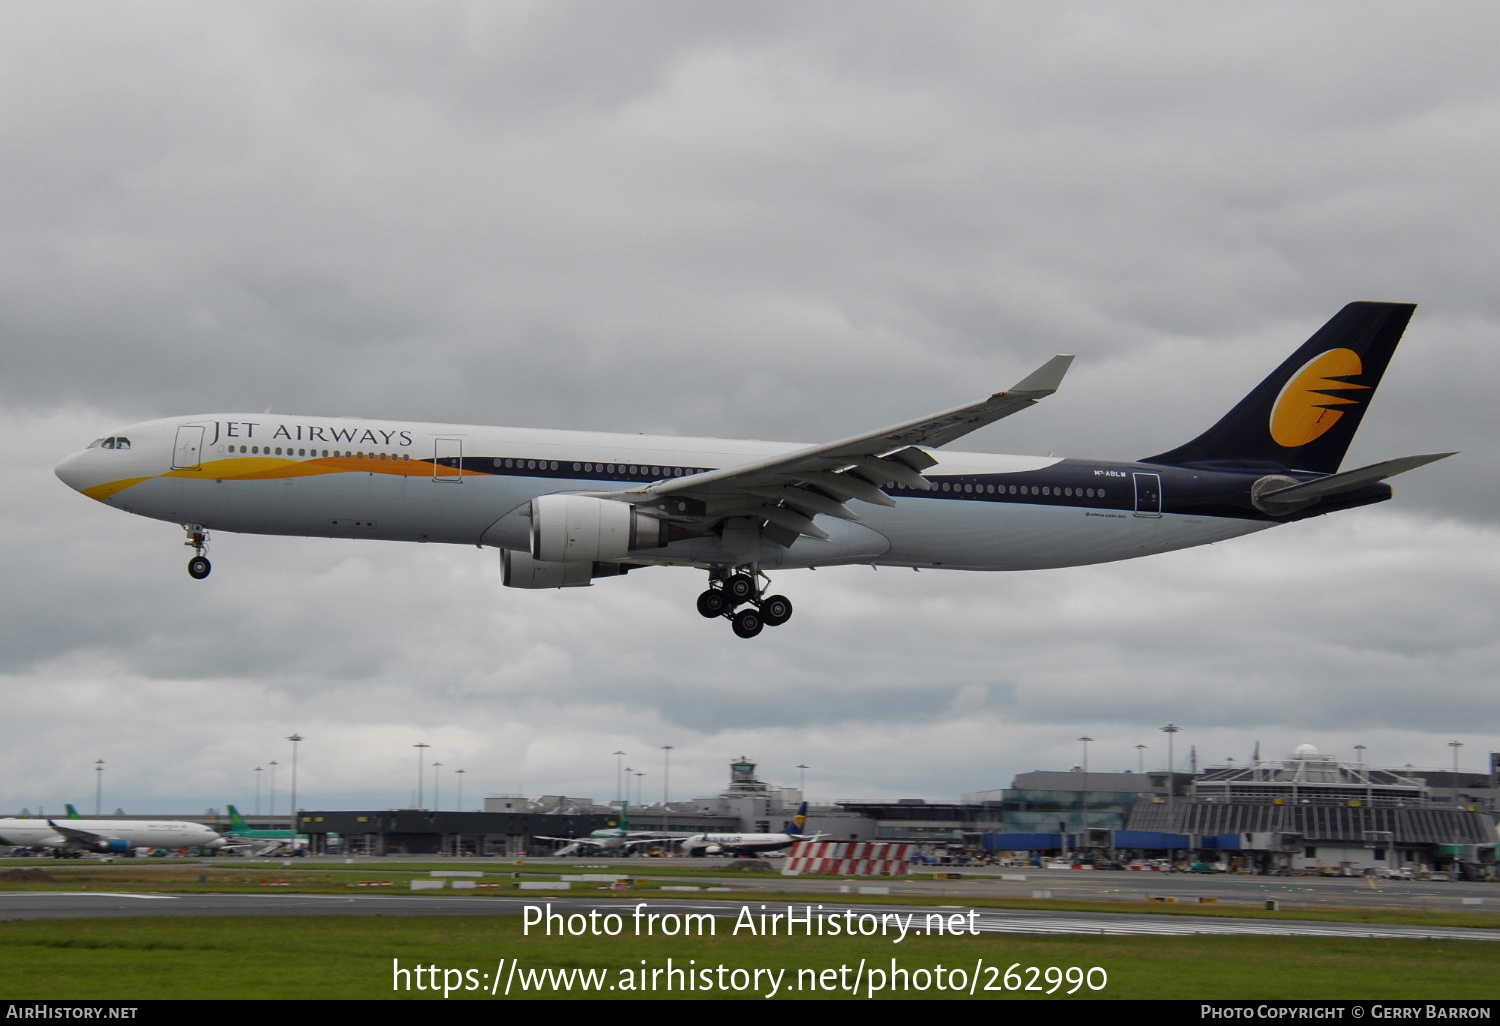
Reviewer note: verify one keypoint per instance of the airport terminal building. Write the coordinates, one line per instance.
(1305, 812)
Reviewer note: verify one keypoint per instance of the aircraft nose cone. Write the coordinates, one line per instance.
(70, 472)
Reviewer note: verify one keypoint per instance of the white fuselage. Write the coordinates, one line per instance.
(741, 844)
(171, 834)
(462, 484)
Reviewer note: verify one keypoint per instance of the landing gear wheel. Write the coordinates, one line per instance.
(740, 587)
(712, 603)
(747, 623)
(776, 610)
(198, 567)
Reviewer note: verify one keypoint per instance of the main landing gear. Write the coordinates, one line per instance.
(737, 597)
(197, 538)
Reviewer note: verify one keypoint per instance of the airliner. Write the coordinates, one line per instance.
(609, 839)
(107, 836)
(699, 845)
(567, 508)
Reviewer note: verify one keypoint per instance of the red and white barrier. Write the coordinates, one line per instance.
(847, 858)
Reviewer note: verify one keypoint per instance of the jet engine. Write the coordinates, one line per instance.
(519, 570)
(580, 529)
(111, 846)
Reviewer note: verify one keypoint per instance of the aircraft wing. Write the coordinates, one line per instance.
(76, 836)
(787, 491)
(644, 837)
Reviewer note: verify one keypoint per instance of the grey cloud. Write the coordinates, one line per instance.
(751, 220)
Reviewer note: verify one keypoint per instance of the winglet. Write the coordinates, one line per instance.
(1044, 380)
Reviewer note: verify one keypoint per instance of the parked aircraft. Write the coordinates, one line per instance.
(239, 828)
(609, 839)
(566, 508)
(699, 845)
(107, 836)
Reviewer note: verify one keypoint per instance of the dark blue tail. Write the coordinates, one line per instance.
(1304, 415)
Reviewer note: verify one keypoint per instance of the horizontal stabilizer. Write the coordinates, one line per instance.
(1295, 496)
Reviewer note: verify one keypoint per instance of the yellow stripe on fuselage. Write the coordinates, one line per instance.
(260, 468)
(112, 488)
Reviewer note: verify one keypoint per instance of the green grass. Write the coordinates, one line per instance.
(332, 958)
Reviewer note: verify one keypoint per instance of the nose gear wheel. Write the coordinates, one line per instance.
(197, 540)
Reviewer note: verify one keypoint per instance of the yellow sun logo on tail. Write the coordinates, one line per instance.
(1308, 406)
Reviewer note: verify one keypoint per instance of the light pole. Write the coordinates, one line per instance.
(421, 770)
(273, 764)
(802, 780)
(257, 790)
(666, 777)
(1083, 804)
(437, 801)
(1171, 730)
(460, 774)
(1359, 759)
(98, 786)
(639, 774)
(1140, 758)
(294, 739)
(620, 798)
(1455, 745)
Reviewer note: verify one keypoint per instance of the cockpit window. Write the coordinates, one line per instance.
(110, 443)
(122, 443)
(97, 443)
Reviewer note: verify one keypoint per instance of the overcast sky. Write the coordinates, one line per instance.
(793, 221)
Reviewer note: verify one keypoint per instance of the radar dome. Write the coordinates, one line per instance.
(1306, 752)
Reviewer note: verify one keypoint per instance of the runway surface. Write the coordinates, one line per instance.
(22, 905)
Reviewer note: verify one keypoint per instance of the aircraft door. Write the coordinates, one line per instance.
(187, 454)
(1147, 495)
(447, 459)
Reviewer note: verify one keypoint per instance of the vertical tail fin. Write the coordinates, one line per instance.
(798, 825)
(72, 812)
(236, 821)
(1304, 415)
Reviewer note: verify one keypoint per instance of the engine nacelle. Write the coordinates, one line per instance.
(113, 845)
(583, 529)
(519, 570)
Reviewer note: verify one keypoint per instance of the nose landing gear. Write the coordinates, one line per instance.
(197, 539)
(728, 592)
